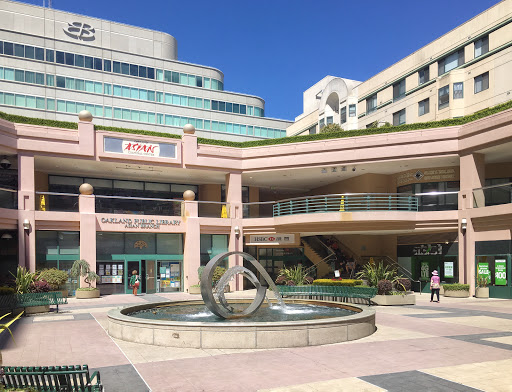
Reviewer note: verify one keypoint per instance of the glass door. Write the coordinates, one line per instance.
(150, 271)
(132, 266)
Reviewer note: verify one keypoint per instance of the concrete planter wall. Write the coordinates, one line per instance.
(87, 294)
(390, 300)
(456, 293)
(482, 292)
(194, 290)
(37, 309)
(64, 293)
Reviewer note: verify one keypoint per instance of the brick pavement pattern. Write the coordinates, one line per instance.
(457, 345)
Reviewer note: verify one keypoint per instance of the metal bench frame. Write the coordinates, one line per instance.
(17, 301)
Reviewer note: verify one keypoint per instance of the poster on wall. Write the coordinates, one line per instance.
(448, 269)
(483, 271)
(500, 272)
(424, 271)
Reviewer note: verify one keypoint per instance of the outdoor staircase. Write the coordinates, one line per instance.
(319, 254)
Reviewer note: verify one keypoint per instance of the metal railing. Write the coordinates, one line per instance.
(213, 209)
(346, 202)
(51, 201)
(492, 195)
(438, 201)
(138, 205)
(322, 250)
(261, 209)
(8, 198)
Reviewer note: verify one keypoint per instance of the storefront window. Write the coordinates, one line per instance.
(212, 245)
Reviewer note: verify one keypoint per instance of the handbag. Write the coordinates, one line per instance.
(434, 286)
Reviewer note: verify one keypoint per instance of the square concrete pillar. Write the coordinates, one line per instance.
(88, 231)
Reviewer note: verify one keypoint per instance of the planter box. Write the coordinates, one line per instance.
(456, 293)
(482, 292)
(390, 300)
(80, 294)
(64, 293)
(194, 290)
(37, 309)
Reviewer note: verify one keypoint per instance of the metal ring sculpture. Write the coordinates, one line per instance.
(222, 309)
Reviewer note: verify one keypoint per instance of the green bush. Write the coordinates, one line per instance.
(330, 128)
(7, 290)
(373, 272)
(24, 279)
(38, 121)
(456, 287)
(344, 282)
(54, 277)
(87, 289)
(294, 276)
(384, 287)
(217, 274)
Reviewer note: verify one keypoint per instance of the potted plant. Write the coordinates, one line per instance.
(456, 290)
(482, 291)
(56, 279)
(81, 268)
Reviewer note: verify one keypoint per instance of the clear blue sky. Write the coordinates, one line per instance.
(276, 49)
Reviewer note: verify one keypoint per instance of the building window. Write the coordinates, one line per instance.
(398, 90)
(343, 115)
(450, 62)
(423, 75)
(312, 130)
(329, 120)
(371, 104)
(423, 107)
(399, 117)
(322, 123)
(444, 96)
(482, 82)
(458, 90)
(481, 46)
(352, 110)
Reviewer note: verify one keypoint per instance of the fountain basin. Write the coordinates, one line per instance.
(241, 335)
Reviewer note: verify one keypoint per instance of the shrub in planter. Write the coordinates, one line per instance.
(40, 286)
(23, 280)
(290, 283)
(338, 282)
(55, 277)
(402, 284)
(281, 280)
(455, 287)
(384, 287)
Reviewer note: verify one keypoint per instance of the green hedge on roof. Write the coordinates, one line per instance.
(268, 142)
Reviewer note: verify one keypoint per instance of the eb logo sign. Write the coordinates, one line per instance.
(81, 31)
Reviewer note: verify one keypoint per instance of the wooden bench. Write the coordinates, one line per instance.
(325, 292)
(52, 378)
(17, 301)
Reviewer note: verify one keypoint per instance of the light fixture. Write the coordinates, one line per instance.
(237, 231)
(324, 170)
(343, 168)
(463, 224)
(26, 224)
(6, 236)
(354, 168)
(5, 163)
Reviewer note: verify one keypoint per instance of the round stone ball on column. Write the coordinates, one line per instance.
(86, 189)
(85, 115)
(189, 195)
(189, 129)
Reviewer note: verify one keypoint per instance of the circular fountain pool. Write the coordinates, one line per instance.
(190, 324)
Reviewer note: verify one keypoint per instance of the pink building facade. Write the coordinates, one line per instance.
(427, 199)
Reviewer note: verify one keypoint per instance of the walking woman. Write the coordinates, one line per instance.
(435, 282)
(135, 282)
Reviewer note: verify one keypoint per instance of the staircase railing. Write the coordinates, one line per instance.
(318, 246)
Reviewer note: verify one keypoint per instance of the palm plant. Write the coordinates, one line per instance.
(23, 280)
(296, 274)
(372, 273)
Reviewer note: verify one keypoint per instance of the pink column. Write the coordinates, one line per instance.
(191, 248)
(472, 175)
(236, 242)
(88, 231)
(26, 207)
(86, 138)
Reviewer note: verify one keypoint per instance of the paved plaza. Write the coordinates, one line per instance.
(455, 345)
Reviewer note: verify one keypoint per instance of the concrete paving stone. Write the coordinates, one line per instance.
(121, 378)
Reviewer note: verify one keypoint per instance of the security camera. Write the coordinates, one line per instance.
(353, 169)
(5, 163)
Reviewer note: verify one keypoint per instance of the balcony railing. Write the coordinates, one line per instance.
(349, 202)
(213, 209)
(8, 198)
(492, 195)
(137, 205)
(438, 201)
(51, 201)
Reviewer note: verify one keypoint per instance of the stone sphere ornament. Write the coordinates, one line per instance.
(189, 129)
(86, 189)
(189, 195)
(85, 115)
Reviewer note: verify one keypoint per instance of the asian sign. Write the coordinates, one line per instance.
(272, 239)
(139, 148)
(130, 223)
(427, 250)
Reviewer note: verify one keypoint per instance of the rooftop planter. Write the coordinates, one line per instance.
(457, 290)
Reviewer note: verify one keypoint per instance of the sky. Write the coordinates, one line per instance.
(276, 49)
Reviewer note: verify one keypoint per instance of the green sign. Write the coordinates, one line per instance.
(448, 269)
(424, 271)
(483, 271)
(500, 270)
